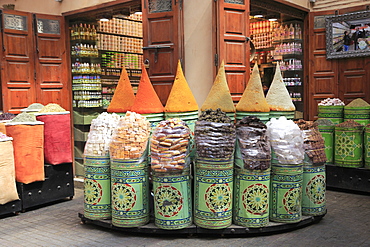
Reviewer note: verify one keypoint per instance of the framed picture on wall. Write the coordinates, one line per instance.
(348, 35)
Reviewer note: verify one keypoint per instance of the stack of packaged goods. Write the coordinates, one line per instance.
(129, 169)
(170, 164)
(252, 178)
(214, 169)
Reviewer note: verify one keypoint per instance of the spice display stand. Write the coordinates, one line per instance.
(9, 208)
(355, 179)
(58, 185)
(232, 230)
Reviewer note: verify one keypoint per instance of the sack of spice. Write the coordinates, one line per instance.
(4, 118)
(28, 143)
(57, 134)
(169, 146)
(286, 141)
(100, 135)
(8, 190)
(214, 135)
(130, 138)
(253, 146)
(314, 144)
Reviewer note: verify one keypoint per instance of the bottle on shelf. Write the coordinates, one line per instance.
(291, 31)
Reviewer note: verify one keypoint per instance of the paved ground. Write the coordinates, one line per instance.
(347, 223)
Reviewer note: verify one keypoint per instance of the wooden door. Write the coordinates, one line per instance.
(232, 24)
(50, 61)
(17, 61)
(163, 42)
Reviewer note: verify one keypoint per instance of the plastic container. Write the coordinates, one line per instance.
(97, 187)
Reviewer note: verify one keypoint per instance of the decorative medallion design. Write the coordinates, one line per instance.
(169, 200)
(255, 198)
(315, 189)
(292, 200)
(124, 196)
(218, 197)
(346, 145)
(93, 191)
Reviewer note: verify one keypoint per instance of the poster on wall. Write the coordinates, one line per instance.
(348, 35)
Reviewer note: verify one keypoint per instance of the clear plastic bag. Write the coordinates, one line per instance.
(214, 140)
(169, 146)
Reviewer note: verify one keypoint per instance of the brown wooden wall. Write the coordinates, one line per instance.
(345, 78)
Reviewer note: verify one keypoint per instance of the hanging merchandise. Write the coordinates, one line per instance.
(97, 170)
(252, 178)
(213, 195)
(129, 169)
(286, 141)
(170, 163)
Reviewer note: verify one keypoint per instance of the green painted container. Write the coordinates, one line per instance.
(331, 112)
(231, 115)
(130, 193)
(172, 200)
(286, 193)
(97, 187)
(359, 114)
(348, 149)
(263, 116)
(251, 197)
(367, 147)
(154, 118)
(213, 195)
(313, 190)
(277, 114)
(327, 133)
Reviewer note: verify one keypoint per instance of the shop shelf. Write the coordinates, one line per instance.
(84, 118)
(80, 135)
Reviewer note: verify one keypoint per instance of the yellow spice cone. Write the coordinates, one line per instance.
(253, 98)
(219, 96)
(278, 95)
(123, 97)
(181, 99)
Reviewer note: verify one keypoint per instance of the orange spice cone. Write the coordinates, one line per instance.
(123, 97)
(181, 99)
(278, 95)
(219, 96)
(146, 100)
(253, 98)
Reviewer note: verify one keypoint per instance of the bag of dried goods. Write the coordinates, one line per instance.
(214, 135)
(313, 141)
(169, 146)
(57, 134)
(286, 141)
(130, 138)
(28, 143)
(100, 135)
(8, 190)
(5, 117)
(253, 150)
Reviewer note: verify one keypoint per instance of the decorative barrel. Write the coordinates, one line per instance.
(97, 187)
(130, 193)
(348, 151)
(231, 115)
(263, 116)
(286, 193)
(367, 147)
(213, 194)
(251, 197)
(277, 114)
(172, 199)
(313, 190)
(154, 118)
(331, 112)
(359, 114)
(327, 133)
